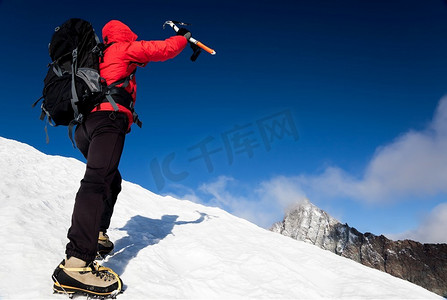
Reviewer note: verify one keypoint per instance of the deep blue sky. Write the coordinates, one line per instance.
(352, 75)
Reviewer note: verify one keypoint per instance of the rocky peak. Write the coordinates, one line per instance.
(306, 222)
(422, 264)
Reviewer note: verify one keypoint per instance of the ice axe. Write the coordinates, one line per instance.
(192, 40)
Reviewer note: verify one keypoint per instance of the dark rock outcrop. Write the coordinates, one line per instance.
(421, 264)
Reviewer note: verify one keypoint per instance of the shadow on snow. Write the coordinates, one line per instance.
(143, 232)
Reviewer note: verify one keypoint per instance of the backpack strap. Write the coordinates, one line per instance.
(44, 114)
(74, 97)
(99, 48)
(136, 119)
(113, 90)
(125, 81)
(74, 94)
(56, 69)
(74, 122)
(112, 101)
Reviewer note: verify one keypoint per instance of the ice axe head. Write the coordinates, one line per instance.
(173, 23)
(170, 23)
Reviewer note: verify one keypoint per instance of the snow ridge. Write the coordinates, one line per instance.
(165, 248)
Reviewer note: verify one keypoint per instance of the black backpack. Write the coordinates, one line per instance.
(73, 86)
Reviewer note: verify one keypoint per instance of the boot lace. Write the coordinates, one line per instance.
(102, 274)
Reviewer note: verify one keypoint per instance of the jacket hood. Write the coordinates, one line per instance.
(116, 31)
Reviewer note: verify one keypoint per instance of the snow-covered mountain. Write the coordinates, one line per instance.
(422, 264)
(165, 248)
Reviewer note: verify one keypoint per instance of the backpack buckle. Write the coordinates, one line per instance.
(98, 50)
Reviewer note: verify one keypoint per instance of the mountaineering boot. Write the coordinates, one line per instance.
(77, 276)
(105, 246)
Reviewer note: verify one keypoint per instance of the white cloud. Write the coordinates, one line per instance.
(262, 205)
(281, 190)
(414, 164)
(432, 228)
(233, 196)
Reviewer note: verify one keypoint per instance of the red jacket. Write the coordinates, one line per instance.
(126, 53)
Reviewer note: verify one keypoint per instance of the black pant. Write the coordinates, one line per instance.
(100, 138)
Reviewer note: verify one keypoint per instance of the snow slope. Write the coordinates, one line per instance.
(165, 248)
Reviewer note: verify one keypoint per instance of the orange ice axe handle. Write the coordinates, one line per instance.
(201, 45)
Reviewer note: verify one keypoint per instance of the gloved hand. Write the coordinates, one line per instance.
(185, 32)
